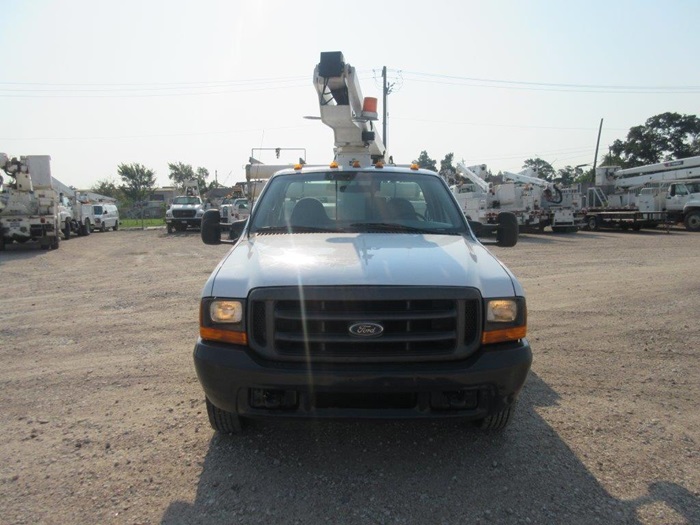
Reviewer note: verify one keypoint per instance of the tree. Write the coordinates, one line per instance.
(543, 168)
(447, 170)
(181, 173)
(138, 181)
(565, 176)
(665, 136)
(425, 162)
(108, 188)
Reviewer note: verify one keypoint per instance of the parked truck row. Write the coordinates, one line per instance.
(34, 206)
(648, 196)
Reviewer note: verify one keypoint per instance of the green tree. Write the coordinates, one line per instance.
(108, 188)
(425, 162)
(181, 173)
(665, 136)
(138, 181)
(543, 168)
(447, 169)
(566, 175)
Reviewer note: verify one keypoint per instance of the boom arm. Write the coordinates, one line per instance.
(666, 171)
(526, 178)
(469, 174)
(344, 109)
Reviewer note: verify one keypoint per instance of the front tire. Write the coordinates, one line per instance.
(66, 231)
(593, 223)
(497, 421)
(222, 421)
(692, 221)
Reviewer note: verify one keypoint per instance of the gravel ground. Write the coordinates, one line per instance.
(103, 419)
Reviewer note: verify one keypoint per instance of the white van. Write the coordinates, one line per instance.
(106, 216)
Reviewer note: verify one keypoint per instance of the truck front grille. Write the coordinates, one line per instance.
(419, 324)
(184, 214)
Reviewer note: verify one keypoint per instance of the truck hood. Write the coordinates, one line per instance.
(185, 206)
(367, 259)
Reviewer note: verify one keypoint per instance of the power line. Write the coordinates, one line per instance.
(548, 86)
(503, 125)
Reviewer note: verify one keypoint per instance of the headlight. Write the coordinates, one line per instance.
(223, 320)
(226, 311)
(200, 212)
(168, 213)
(502, 311)
(505, 320)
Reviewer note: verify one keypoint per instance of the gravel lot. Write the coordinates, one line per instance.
(103, 419)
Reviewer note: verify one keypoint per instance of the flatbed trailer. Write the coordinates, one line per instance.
(623, 219)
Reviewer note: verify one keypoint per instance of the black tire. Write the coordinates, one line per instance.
(593, 223)
(103, 227)
(116, 225)
(66, 230)
(222, 421)
(2, 243)
(692, 221)
(497, 421)
(170, 228)
(88, 228)
(55, 243)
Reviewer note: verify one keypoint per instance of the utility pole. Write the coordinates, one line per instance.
(597, 144)
(385, 92)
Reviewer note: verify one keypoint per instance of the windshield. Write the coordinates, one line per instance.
(97, 210)
(186, 200)
(358, 202)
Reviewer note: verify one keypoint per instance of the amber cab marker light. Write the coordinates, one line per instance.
(414, 166)
(356, 164)
(334, 164)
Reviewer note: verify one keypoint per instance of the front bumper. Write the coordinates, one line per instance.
(485, 383)
(193, 222)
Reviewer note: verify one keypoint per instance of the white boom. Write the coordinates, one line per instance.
(687, 168)
(346, 111)
(526, 176)
(469, 173)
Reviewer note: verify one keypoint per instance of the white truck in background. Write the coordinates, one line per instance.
(28, 202)
(535, 202)
(186, 210)
(77, 216)
(646, 196)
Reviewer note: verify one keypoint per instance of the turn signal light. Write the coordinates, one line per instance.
(224, 336)
(514, 333)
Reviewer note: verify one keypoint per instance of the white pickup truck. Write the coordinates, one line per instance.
(360, 292)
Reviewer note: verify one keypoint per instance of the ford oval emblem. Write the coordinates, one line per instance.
(366, 329)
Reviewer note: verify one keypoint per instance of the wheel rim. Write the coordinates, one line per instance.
(694, 221)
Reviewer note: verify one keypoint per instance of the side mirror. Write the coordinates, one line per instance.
(507, 231)
(211, 228)
(236, 230)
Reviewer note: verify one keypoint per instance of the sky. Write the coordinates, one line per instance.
(98, 83)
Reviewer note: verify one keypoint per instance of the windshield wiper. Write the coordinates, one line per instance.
(391, 227)
(292, 229)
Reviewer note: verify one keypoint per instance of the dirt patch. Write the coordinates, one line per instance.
(103, 419)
